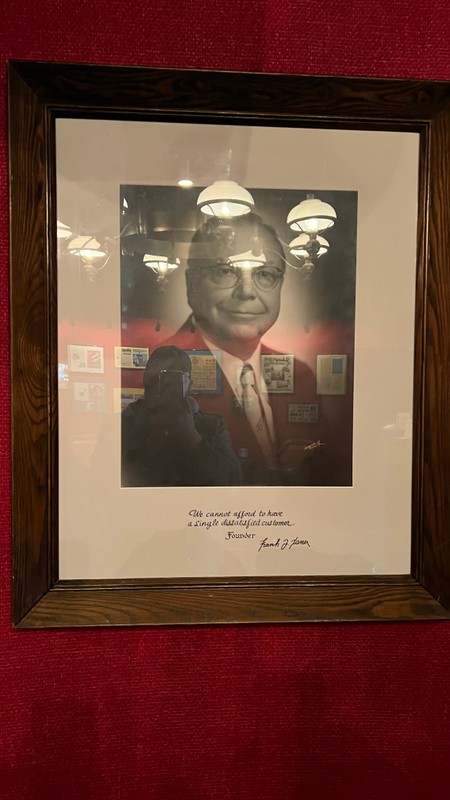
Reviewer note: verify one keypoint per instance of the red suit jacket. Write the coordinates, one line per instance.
(301, 460)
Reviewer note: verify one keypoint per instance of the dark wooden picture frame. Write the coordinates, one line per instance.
(41, 92)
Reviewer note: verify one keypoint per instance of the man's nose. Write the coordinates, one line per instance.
(245, 287)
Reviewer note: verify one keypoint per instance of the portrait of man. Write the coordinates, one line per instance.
(234, 284)
(234, 279)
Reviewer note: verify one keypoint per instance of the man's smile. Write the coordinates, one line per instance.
(242, 314)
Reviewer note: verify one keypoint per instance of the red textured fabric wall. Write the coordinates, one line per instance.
(332, 711)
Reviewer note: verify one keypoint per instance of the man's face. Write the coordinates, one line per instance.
(243, 311)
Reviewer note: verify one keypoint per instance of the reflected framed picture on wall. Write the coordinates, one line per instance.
(256, 265)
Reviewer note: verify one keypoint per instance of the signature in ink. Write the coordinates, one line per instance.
(315, 445)
(282, 544)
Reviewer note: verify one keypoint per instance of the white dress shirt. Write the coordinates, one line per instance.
(231, 367)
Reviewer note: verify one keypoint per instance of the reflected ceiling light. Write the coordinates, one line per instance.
(162, 266)
(311, 216)
(247, 260)
(225, 199)
(93, 255)
(185, 183)
(303, 246)
(63, 231)
(87, 247)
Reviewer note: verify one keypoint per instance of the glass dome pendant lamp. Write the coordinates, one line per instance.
(225, 199)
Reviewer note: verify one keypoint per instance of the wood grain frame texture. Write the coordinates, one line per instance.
(38, 94)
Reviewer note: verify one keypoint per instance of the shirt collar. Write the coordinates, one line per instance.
(231, 366)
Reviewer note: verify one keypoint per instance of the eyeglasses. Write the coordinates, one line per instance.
(228, 276)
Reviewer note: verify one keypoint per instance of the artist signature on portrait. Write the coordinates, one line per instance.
(314, 445)
(282, 544)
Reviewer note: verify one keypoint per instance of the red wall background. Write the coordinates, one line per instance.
(314, 711)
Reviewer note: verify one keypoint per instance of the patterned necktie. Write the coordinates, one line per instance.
(254, 411)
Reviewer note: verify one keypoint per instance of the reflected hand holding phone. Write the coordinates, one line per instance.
(173, 384)
(173, 410)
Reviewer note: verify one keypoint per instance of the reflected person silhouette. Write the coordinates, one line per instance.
(166, 439)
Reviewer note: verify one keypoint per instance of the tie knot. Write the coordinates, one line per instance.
(247, 375)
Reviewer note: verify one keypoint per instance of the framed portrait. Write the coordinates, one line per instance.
(260, 262)
(206, 375)
(85, 358)
(130, 357)
(278, 373)
(331, 374)
(124, 396)
(303, 412)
